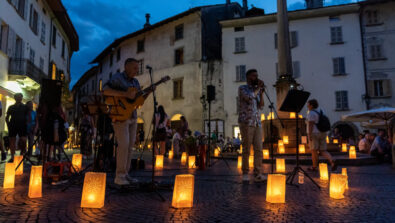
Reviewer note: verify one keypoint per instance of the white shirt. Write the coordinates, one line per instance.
(314, 117)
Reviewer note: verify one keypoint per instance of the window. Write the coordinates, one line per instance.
(334, 18)
(42, 38)
(239, 45)
(293, 41)
(375, 51)
(379, 88)
(179, 32)
(140, 45)
(239, 29)
(111, 58)
(41, 64)
(336, 35)
(341, 100)
(63, 48)
(119, 54)
(3, 37)
(100, 85)
(177, 89)
(179, 56)
(372, 17)
(32, 55)
(33, 20)
(241, 73)
(141, 66)
(339, 66)
(54, 36)
(21, 8)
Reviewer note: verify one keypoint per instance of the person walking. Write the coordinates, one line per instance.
(317, 137)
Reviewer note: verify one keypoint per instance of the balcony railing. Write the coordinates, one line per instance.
(25, 67)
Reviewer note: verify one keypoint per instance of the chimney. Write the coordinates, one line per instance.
(313, 4)
(245, 6)
(147, 24)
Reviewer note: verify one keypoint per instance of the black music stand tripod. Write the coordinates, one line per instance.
(294, 102)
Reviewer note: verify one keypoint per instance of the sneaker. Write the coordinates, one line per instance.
(246, 178)
(260, 178)
(3, 156)
(131, 180)
(121, 181)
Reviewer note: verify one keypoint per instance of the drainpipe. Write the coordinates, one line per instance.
(367, 96)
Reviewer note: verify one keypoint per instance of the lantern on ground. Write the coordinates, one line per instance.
(344, 173)
(344, 147)
(263, 117)
(171, 154)
(9, 175)
(304, 139)
(239, 162)
(159, 161)
(216, 152)
(280, 165)
(251, 150)
(251, 161)
(286, 140)
(327, 139)
(281, 149)
(352, 153)
(191, 162)
(302, 149)
(323, 171)
(77, 161)
(270, 116)
(183, 191)
(183, 158)
(94, 190)
(275, 191)
(300, 116)
(35, 182)
(17, 160)
(337, 186)
(241, 149)
(280, 142)
(266, 154)
(292, 115)
(335, 141)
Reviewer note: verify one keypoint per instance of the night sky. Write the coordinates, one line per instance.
(100, 22)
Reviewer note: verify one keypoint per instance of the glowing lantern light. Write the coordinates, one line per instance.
(251, 150)
(327, 139)
(292, 115)
(281, 149)
(35, 182)
(183, 158)
(239, 162)
(280, 142)
(335, 141)
(216, 152)
(171, 154)
(159, 161)
(300, 116)
(270, 116)
(191, 162)
(285, 140)
(17, 160)
(302, 149)
(94, 190)
(344, 173)
(304, 140)
(263, 117)
(337, 186)
(352, 153)
(183, 191)
(77, 161)
(266, 154)
(344, 147)
(280, 165)
(251, 161)
(241, 149)
(149, 146)
(323, 171)
(275, 191)
(9, 175)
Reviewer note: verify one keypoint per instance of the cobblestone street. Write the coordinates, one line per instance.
(219, 197)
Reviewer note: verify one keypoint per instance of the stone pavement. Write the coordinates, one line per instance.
(219, 197)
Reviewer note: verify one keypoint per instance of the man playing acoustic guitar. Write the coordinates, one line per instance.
(124, 85)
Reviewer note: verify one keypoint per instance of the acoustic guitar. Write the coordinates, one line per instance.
(121, 108)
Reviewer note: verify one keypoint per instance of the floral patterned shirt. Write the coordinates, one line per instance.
(249, 106)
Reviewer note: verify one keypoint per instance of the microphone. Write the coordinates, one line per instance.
(148, 67)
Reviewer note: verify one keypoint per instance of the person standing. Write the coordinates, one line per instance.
(317, 138)
(16, 120)
(161, 120)
(31, 127)
(2, 149)
(124, 85)
(250, 102)
(87, 131)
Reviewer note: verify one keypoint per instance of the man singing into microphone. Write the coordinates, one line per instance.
(125, 132)
(250, 102)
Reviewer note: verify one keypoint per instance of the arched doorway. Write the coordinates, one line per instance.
(347, 130)
(175, 121)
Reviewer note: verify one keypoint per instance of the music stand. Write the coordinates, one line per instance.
(294, 102)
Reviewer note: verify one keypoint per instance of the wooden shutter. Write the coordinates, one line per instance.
(387, 91)
(371, 88)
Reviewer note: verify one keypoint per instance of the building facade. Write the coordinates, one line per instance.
(37, 40)
(326, 54)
